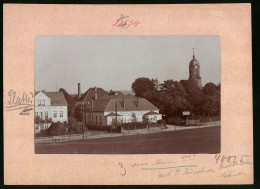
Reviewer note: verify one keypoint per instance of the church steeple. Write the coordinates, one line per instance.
(194, 70)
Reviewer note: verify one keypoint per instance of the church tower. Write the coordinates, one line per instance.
(194, 71)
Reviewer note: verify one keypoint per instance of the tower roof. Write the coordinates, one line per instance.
(194, 61)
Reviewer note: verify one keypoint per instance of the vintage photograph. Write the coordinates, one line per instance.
(127, 95)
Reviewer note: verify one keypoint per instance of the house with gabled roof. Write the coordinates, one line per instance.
(91, 93)
(127, 109)
(51, 105)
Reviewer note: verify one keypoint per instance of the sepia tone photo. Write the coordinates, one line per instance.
(127, 95)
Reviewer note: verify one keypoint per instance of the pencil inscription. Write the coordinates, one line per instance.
(23, 102)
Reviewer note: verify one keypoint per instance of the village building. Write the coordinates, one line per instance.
(107, 108)
(91, 94)
(120, 110)
(51, 105)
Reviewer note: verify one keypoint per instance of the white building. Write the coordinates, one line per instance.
(126, 109)
(51, 105)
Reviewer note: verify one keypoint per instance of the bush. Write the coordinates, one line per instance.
(56, 129)
(74, 126)
(161, 121)
(138, 125)
(176, 121)
(104, 128)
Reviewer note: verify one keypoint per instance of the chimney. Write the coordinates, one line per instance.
(95, 93)
(79, 93)
(123, 103)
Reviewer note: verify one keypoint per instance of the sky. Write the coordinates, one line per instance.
(114, 62)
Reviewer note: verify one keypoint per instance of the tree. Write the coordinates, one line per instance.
(211, 106)
(195, 97)
(210, 89)
(174, 98)
(78, 113)
(70, 100)
(143, 85)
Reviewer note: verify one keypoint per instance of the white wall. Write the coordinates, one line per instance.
(127, 115)
(125, 118)
(42, 109)
(155, 118)
(42, 97)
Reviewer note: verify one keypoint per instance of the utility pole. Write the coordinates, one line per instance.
(116, 112)
(83, 120)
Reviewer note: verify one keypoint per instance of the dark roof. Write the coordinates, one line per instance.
(119, 96)
(98, 105)
(194, 62)
(112, 114)
(57, 98)
(152, 113)
(90, 93)
(109, 105)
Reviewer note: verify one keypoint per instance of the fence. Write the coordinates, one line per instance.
(193, 122)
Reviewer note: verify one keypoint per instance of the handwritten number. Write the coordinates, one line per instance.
(217, 158)
(121, 165)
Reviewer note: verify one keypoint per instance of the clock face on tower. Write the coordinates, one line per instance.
(196, 72)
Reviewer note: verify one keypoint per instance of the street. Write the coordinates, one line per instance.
(192, 141)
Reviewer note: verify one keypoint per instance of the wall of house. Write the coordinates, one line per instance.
(44, 109)
(97, 118)
(155, 118)
(100, 118)
(127, 115)
(42, 100)
(49, 111)
(111, 120)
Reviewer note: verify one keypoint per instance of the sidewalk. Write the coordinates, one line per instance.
(101, 134)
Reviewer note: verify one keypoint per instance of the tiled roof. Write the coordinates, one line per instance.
(98, 105)
(131, 104)
(57, 98)
(90, 93)
(120, 96)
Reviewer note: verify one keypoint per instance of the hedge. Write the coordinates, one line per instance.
(139, 125)
(104, 128)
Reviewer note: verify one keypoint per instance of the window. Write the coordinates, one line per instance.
(88, 119)
(96, 120)
(36, 114)
(41, 102)
(46, 114)
(54, 114)
(41, 115)
(100, 121)
(61, 113)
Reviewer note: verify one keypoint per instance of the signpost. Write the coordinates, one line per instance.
(186, 113)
